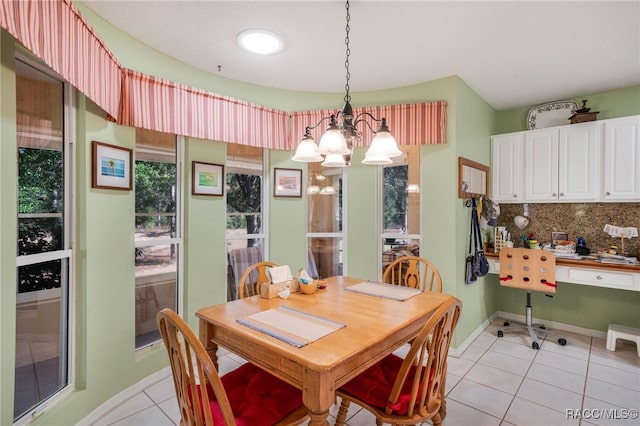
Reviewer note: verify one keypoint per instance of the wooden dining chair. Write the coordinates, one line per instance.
(252, 277)
(413, 271)
(410, 390)
(247, 395)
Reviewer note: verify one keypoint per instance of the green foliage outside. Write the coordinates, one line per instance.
(155, 193)
(395, 196)
(40, 190)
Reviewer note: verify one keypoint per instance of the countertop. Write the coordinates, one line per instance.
(584, 263)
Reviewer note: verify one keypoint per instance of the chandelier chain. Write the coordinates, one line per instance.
(347, 97)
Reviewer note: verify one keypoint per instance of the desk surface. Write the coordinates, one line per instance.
(375, 327)
(585, 263)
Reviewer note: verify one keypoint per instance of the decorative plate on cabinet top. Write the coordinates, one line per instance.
(551, 114)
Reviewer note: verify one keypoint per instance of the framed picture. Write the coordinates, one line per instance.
(111, 166)
(207, 179)
(287, 182)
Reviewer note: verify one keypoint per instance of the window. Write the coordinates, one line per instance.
(401, 206)
(44, 252)
(245, 211)
(158, 230)
(325, 230)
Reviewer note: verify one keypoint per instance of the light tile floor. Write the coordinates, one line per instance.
(496, 381)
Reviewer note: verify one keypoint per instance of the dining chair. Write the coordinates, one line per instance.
(413, 271)
(252, 277)
(247, 395)
(409, 390)
(239, 260)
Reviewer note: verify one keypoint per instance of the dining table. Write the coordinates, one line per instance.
(361, 329)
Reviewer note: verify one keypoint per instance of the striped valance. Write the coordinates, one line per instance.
(410, 124)
(56, 33)
(153, 103)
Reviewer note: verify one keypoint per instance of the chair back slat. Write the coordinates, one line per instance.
(252, 277)
(413, 271)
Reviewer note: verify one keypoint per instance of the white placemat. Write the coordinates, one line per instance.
(290, 325)
(388, 291)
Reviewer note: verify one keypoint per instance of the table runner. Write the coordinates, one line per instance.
(388, 291)
(290, 325)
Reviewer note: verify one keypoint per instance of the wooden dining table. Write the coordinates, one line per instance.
(374, 327)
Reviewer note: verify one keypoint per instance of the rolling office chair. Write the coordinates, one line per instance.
(531, 270)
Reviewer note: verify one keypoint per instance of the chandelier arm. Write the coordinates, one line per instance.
(307, 130)
(360, 119)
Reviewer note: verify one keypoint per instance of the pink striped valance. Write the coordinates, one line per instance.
(153, 103)
(56, 33)
(410, 124)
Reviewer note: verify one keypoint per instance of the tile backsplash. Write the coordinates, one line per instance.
(585, 220)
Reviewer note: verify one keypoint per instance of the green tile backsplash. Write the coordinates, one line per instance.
(585, 220)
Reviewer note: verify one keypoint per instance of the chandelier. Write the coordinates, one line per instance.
(336, 145)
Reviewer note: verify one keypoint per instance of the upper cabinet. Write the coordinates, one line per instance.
(622, 159)
(587, 162)
(507, 160)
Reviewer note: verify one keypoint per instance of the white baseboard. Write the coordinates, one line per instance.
(123, 396)
(457, 352)
(554, 325)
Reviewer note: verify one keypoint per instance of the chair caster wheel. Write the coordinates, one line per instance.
(562, 342)
(500, 333)
(506, 324)
(535, 345)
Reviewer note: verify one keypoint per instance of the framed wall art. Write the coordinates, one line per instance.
(207, 179)
(111, 167)
(287, 182)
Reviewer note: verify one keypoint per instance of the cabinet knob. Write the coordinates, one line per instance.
(515, 196)
(607, 193)
(599, 277)
(554, 195)
(562, 194)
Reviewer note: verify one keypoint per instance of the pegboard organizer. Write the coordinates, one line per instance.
(528, 269)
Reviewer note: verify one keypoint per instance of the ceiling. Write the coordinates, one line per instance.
(511, 53)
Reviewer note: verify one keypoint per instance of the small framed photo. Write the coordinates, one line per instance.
(111, 167)
(207, 179)
(287, 182)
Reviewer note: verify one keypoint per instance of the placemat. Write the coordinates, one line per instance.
(388, 291)
(290, 325)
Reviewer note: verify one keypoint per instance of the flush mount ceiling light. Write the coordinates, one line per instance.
(258, 41)
(336, 144)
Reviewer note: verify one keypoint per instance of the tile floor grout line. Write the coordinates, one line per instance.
(586, 378)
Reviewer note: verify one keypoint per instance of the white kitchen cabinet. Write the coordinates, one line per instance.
(541, 165)
(563, 163)
(621, 165)
(507, 168)
(579, 162)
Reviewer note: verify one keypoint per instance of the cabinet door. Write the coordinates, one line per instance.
(541, 165)
(507, 168)
(579, 162)
(622, 159)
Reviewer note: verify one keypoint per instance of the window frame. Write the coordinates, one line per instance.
(177, 239)
(68, 300)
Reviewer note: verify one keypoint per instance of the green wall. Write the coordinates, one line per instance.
(611, 104)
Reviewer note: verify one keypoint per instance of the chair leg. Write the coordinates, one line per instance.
(342, 412)
(533, 329)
